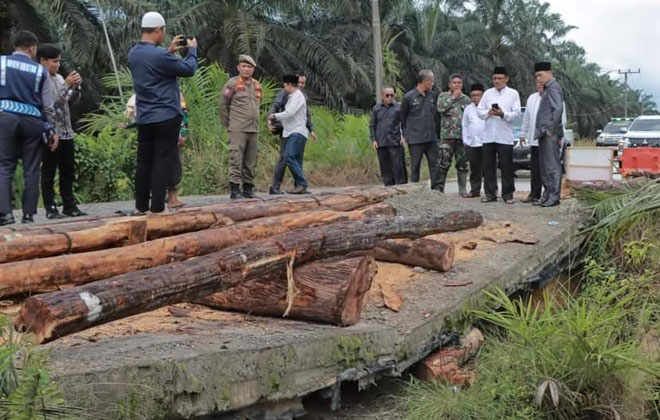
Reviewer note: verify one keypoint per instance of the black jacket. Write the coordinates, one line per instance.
(418, 117)
(385, 125)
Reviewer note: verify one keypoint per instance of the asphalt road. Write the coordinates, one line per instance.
(102, 209)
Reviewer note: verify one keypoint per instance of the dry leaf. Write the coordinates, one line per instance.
(392, 299)
(469, 245)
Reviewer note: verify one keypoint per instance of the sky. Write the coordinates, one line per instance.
(618, 34)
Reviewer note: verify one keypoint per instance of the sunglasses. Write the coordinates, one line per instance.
(389, 95)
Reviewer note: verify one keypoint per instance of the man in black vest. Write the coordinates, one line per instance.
(27, 119)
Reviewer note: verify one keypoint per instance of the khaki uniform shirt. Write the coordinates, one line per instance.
(239, 105)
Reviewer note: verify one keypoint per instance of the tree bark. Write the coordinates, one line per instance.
(427, 253)
(47, 274)
(69, 238)
(56, 314)
(328, 291)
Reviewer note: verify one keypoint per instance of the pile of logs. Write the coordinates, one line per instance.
(310, 258)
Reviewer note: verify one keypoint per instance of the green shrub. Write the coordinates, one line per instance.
(105, 165)
(575, 358)
(26, 390)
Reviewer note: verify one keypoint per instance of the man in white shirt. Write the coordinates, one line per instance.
(473, 132)
(499, 106)
(528, 134)
(295, 132)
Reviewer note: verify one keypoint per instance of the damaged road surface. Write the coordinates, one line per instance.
(188, 361)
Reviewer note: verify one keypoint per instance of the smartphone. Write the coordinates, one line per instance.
(495, 106)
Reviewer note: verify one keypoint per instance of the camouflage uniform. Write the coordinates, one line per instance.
(239, 113)
(451, 138)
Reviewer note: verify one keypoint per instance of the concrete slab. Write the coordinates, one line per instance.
(202, 366)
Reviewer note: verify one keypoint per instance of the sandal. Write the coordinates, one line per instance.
(177, 205)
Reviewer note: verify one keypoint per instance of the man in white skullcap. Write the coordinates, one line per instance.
(155, 73)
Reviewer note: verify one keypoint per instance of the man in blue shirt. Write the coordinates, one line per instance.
(27, 117)
(155, 73)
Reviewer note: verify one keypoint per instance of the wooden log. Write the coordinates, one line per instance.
(368, 195)
(19, 246)
(53, 315)
(427, 253)
(445, 364)
(328, 291)
(44, 274)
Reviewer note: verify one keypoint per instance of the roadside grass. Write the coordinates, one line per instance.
(26, 389)
(591, 356)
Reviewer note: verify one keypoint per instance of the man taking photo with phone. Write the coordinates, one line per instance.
(64, 91)
(156, 73)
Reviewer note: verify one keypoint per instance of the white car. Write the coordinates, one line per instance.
(643, 132)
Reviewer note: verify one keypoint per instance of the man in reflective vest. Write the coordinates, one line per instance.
(27, 119)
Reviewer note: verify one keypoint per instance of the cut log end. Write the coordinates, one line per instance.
(330, 291)
(35, 316)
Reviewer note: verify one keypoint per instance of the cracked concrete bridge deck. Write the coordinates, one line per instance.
(188, 361)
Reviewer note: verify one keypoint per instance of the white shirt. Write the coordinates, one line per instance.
(294, 116)
(473, 127)
(528, 129)
(499, 129)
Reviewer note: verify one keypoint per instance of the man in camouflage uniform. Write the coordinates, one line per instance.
(451, 105)
(239, 113)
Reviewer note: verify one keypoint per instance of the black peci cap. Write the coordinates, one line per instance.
(542, 66)
(500, 70)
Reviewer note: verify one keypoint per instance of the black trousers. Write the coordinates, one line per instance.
(20, 135)
(432, 152)
(391, 164)
(535, 183)
(550, 164)
(62, 158)
(157, 158)
(491, 153)
(280, 166)
(405, 165)
(475, 156)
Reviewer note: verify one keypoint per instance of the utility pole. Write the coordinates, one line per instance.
(378, 47)
(625, 95)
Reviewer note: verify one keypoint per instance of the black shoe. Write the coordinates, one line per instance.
(530, 200)
(275, 191)
(74, 212)
(247, 191)
(299, 189)
(549, 203)
(488, 200)
(52, 213)
(27, 218)
(235, 191)
(7, 219)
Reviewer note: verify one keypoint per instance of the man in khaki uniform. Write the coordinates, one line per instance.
(239, 113)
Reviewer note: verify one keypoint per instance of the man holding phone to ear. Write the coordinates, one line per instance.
(156, 73)
(499, 106)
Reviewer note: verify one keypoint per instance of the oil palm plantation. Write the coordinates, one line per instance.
(332, 42)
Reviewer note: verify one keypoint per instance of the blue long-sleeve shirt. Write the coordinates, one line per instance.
(155, 81)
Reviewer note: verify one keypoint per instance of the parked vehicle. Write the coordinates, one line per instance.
(522, 152)
(643, 132)
(613, 132)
